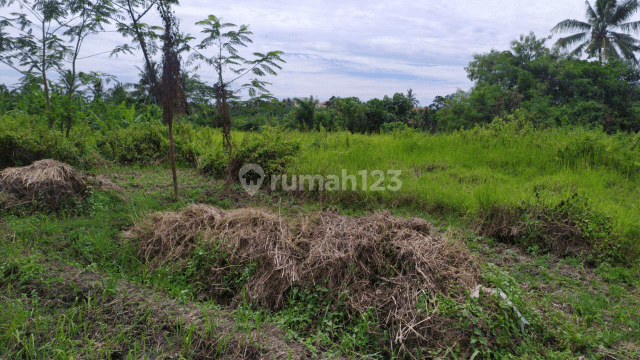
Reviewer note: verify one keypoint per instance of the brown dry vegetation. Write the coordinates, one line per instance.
(46, 184)
(381, 262)
(559, 229)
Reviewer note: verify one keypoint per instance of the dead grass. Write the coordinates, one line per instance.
(46, 184)
(382, 262)
(550, 230)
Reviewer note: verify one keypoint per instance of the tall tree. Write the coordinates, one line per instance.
(605, 32)
(172, 95)
(91, 16)
(129, 23)
(227, 58)
(412, 97)
(37, 47)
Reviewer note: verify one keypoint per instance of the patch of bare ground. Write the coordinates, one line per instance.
(101, 181)
(138, 316)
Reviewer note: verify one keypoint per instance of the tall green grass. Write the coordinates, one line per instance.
(503, 165)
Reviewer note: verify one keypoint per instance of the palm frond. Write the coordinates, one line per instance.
(592, 17)
(624, 11)
(571, 25)
(627, 44)
(565, 42)
(630, 26)
(579, 49)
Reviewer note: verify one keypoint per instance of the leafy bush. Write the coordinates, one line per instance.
(269, 149)
(570, 227)
(146, 144)
(393, 127)
(326, 120)
(25, 139)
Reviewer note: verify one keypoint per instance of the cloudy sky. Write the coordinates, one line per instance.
(358, 48)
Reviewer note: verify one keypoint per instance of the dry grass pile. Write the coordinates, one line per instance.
(171, 236)
(46, 184)
(380, 261)
(548, 229)
(386, 262)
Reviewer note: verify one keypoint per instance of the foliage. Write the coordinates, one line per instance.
(552, 90)
(25, 139)
(146, 143)
(269, 149)
(596, 36)
(305, 113)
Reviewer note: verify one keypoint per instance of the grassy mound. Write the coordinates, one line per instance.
(376, 263)
(569, 228)
(46, 184)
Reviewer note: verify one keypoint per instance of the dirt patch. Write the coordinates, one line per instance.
(382, 262)
(101, 182)
(420, 169)
(46, 184)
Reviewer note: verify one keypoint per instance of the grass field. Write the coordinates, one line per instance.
(73, 287)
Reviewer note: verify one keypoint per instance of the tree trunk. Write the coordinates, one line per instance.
(44, 75)
(171, 90)
(143, 46)
(69, 97)
(172, 158)
(225, 118)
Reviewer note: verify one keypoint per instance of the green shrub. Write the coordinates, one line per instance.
(25, 139)
(270, 149)
(393, 127)
(569, 228)
(147, 144)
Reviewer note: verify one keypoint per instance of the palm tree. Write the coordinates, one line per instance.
(597, 37)
(411, 96)
(143, 90)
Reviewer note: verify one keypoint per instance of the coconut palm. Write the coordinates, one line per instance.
(605, 33)
(411, 96)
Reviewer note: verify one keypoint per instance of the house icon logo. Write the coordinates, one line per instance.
(251, 178)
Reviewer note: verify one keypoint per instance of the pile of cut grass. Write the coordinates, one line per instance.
(46, 185)
(382, 263)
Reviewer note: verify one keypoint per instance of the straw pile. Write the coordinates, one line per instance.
(46, 184)
(383, 262)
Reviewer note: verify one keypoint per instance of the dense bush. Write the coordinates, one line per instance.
(146, 143)
(270, 149)
(25, 139)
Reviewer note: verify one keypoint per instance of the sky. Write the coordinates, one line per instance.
(367, 49)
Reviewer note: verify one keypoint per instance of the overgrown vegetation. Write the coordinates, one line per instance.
(514, 231)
